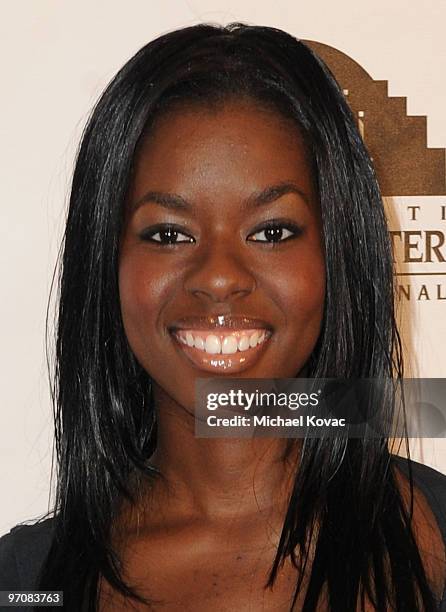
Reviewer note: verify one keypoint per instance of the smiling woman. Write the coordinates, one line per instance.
(183, 263)
(224, 220)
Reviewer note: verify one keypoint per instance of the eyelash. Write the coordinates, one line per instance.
(295, 230)
(149, 233)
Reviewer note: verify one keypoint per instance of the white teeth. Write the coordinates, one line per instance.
(212, 345)
(254, 339)
(243, 343)
(199, 343)
(229, 345)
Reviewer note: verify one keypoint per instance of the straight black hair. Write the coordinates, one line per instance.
(345, 497)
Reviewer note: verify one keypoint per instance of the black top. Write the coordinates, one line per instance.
(24, 548)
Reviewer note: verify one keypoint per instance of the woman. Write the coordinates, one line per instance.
(224, 204)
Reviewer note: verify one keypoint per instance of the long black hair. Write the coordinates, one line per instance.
(104, 415)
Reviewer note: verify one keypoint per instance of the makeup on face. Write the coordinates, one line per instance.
(222, 267)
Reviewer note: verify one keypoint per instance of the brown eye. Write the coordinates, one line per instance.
(275, 232)
(165, 234)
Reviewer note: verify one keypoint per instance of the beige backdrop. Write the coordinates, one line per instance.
(56, 56)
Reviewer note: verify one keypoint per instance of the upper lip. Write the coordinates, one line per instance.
(219, 322)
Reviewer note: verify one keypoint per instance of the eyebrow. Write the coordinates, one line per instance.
(173, 201)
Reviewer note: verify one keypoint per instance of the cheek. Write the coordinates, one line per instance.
(302, 297)
(305, 304)
(143, 290)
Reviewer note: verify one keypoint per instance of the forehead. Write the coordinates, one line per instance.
(233, 149)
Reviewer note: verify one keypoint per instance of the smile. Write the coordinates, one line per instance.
(225, 343)
(229, 350)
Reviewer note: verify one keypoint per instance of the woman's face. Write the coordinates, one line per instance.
(221, 265)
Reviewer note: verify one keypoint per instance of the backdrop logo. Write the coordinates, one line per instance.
(412, 176)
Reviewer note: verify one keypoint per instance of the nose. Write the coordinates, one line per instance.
(220, 276)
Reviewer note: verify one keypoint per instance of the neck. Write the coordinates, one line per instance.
(217, 477)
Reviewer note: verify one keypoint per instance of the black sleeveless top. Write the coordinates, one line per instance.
(24, 549)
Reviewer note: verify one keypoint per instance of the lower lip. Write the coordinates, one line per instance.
(229, 364)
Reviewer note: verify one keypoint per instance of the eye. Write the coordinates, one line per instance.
(275, 231)
(163, 234)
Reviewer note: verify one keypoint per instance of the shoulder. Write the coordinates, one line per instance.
(22, 553)
(429, 516)
(433, 485)
(420, 470)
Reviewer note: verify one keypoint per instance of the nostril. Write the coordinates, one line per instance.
(220, 293)
(220, 279)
